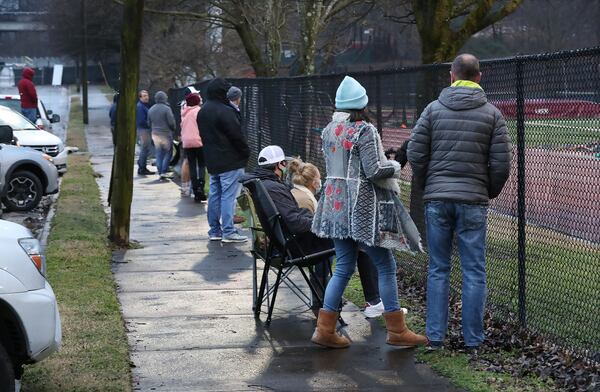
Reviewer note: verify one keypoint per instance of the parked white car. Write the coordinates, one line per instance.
(25, 174)
(45, 118)
(30, 328)
(29, 135)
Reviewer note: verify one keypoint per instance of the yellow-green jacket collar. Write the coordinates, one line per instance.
(466, 83)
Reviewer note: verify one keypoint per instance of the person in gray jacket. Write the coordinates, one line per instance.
(162, 124)
(461, 151)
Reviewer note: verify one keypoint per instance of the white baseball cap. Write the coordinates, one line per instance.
(270, 155)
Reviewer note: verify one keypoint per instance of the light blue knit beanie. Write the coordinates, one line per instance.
(351, 95)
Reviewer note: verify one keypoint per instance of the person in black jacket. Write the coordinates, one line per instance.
(271, 170)
(461, 149)
(226, 154)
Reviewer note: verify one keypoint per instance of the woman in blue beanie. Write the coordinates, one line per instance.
(360, 208)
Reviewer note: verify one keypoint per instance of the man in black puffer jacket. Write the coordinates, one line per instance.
(226, 154)
(461, 151)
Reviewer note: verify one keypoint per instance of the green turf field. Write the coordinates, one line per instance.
(558, 132)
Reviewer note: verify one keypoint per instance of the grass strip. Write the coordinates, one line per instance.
(94, 353)
(455, 366)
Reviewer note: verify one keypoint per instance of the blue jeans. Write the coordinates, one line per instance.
(469, 223)
(222, 194)
(163, 144)
(145, 140)
(346, 252)
(31, 114)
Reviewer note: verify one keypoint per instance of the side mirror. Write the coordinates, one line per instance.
(6, 134)
(55, 118)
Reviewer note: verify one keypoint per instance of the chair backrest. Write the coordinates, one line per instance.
(267, 214)
(260, 242)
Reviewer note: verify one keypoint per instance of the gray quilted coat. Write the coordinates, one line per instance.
(360, 197)
(461, 148)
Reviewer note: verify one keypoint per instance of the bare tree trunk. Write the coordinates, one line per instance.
(122, 178)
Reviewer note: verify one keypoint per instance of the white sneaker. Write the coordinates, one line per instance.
(372, 311)
(235, 238)
(215, 238)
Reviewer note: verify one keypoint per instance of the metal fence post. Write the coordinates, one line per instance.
(521, 191)
(378, 103)
(259, 117)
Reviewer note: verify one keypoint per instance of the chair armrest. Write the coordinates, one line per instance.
(312, 256)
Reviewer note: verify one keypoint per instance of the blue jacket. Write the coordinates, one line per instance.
(113, 114)
(141, 116)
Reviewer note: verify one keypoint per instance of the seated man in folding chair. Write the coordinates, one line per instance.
(271, 170)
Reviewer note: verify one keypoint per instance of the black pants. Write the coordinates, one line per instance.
(368, 278)
(195, 158)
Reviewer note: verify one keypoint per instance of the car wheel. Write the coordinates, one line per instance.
(7, 374)
(23, 191)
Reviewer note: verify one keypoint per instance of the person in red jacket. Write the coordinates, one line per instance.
(29, 100)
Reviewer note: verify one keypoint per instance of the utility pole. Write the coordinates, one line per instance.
(84, 68)
(122, 173)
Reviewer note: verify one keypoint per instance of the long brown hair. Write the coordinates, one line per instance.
(359, 115)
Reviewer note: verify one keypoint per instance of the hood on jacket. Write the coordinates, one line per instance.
(186, 110)
(261, 173)
(160, 97)
(28, 73)
(217, 89)
(462, 98)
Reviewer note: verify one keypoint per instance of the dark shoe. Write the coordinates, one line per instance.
(145, 172)
(325, 333)
(200, 198)
(238, 219)
(434, 347)
(398, 333)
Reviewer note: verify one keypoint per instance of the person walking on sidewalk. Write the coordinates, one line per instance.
(226, 154)
(28, 94)
(192, 144)
(460, 147)
(360, 208)
(162, 124)
(143, 132)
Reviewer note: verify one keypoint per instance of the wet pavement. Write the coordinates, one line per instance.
(187, 305)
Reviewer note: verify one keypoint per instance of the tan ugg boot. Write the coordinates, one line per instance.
(398, 333)
(325, 333)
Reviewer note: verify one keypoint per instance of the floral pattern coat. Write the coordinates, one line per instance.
(360, 198)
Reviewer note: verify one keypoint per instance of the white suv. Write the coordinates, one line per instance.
(30, 327)
(29, 135)
(45, 118)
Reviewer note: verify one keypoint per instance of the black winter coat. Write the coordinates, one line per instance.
(461, 148)
(298, 220)
(224, 145)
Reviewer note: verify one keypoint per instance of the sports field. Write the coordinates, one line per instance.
(561, 133)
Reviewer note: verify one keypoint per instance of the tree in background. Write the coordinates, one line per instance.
(264, 27)
(103, 26)
(122, 173)
(446, 25)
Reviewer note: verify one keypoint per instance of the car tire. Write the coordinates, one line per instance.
(24, 191)
(7, 373)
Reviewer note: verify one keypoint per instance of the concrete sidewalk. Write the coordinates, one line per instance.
(187, 305)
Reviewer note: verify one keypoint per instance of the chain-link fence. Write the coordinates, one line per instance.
(543, 245)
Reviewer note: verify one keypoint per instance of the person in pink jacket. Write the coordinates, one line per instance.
(192, 144)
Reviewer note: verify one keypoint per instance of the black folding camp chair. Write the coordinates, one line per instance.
(280, 251)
